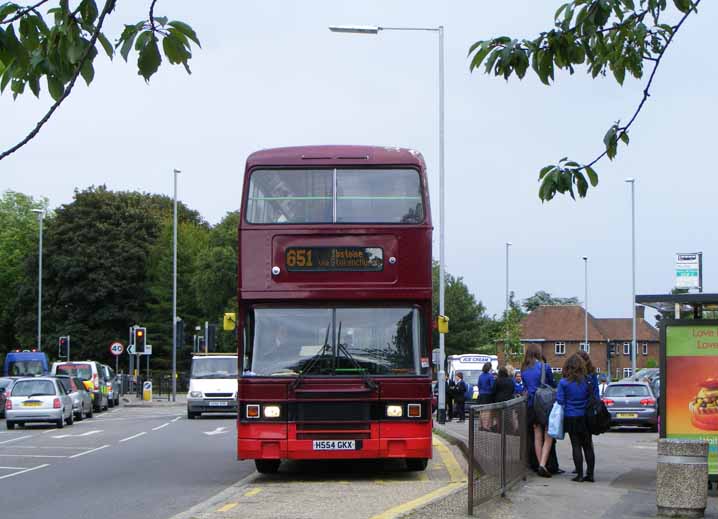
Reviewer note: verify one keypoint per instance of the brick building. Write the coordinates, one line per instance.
(560, 332)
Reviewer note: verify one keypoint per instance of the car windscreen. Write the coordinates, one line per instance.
(78, 384)
(25, 368)
(82, 371)
(344, 195)
(626, 391)
(33, 387)
(209, 367)
(471, 376)
(4, 383)
(336, 341)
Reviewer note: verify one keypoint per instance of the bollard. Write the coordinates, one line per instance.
(682, 478)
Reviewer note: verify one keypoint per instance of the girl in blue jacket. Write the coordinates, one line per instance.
(573, 395)
(531, 370)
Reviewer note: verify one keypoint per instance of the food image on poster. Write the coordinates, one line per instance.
(691, 386)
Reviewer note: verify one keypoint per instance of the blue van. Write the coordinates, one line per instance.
(26, 364)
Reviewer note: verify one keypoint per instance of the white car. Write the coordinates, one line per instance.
(40, 399)
(212, 385)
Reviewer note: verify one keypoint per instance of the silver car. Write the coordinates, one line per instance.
(631, 403)
(81, 398)
(39, 399)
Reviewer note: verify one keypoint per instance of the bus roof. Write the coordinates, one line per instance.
(351, 155)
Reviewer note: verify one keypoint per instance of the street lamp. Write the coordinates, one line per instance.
(508, 244)
(439, 30)
(40, 217)
(632, 181)
(174, 291)
(585, 301)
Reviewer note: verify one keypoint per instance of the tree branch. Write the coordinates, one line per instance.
(152, 15)
(24, 11)
(646, 90)
(109, 4)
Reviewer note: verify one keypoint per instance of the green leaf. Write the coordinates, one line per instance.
(624, 138)
(87, 71)
(55, 87)
(610, 135)
(106, 45)
(683, 5)
(149, 59)
(186, 30)
(479, 57)
(162, 20)
(88, 10)
(127, 38)
(592, 176)
(545, 170)
(581, 184)
(619, 72)
(175, 50)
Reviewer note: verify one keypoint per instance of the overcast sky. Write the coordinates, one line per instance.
(270, 74)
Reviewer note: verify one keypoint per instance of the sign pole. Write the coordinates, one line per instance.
(68, 348)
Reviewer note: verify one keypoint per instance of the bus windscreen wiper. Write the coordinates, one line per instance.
(310, 364)
(341, 347)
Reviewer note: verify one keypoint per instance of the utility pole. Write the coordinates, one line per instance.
(174, 293)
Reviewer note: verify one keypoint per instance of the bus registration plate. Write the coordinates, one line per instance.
(334, 445)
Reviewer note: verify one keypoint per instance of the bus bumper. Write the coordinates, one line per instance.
(304, 449)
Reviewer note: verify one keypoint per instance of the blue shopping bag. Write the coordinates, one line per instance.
(555, 422)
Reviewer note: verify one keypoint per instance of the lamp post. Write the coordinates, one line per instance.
(632, 181)
(508, 244)
(439, 30)
(174, 291)
(40, 216)
(585, 300)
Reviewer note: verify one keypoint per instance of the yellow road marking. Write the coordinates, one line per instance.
(252, 492)
(227, 507)
(423, 476)
(456, 475)
(379, 481)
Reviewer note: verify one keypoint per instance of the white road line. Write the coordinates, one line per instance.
(24, 471)
(89, 452)
(43, 447)
(132, 437)
(30, 456)
(88, 433)
(16, 439)
(218, 430)
(176, 419)
(12, 468)
(160, 426)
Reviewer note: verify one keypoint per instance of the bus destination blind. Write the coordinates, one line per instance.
(334, 259)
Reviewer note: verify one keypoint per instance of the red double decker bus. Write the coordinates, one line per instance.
(334, 306)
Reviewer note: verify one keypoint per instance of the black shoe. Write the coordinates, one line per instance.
(543, 472)
(574, 471)
(578, 478)
(557, 471)
(589, 479)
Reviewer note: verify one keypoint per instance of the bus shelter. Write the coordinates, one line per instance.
(688, 402)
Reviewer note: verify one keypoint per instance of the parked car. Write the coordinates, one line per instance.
(645, 374)
(5, 384)
(631, 403)
(81, 399)
(113, 386)
(87, 370)
(39, 399)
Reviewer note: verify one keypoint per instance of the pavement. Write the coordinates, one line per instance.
(625, 484)
(123, 463)
(131, 400)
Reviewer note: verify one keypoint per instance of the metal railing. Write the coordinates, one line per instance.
(498, 452)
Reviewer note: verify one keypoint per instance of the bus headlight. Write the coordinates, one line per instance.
(271, 411)
(394, 411)
(195, 394)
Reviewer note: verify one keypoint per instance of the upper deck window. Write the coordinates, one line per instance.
(335, 196)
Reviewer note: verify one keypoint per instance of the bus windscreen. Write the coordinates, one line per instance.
(336, 341)
(296, 196)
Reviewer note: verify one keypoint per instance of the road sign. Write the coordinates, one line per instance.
(148, 349)
(116, 348)
(688, 270)
(131, 349)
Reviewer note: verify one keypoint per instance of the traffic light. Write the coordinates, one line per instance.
(140, 339)
(63, 347)
(212, 337)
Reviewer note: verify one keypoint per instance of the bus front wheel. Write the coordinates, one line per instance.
(416, 464)
(267, 466)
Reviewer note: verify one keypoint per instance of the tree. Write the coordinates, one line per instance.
(470, 328)
(620, 36)
(61, 45)
(18, 241)
(543, 298)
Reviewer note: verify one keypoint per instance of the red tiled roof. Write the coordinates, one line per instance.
(566, 323)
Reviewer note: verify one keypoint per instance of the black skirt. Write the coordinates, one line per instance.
(575, 425)
(486, 399)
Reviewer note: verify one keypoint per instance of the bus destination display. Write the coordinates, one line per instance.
(334, 259)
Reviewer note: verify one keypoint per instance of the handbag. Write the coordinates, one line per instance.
(555, 422)
(544, 399)
(597, 415)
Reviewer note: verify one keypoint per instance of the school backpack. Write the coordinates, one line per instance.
(544, 399)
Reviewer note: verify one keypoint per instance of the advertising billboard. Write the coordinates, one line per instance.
(690, 384)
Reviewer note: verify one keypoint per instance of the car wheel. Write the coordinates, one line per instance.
(89, 412)
(79, 416)
(60, 423)
(191, 415)
(416, 464)
(111, 402)
(117, 402)
(267, 466)
(71, 419)
(107, 406)
(10, 425)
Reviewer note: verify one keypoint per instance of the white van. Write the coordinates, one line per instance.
(212, 384)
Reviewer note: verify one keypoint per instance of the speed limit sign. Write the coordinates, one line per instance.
(116, 348)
